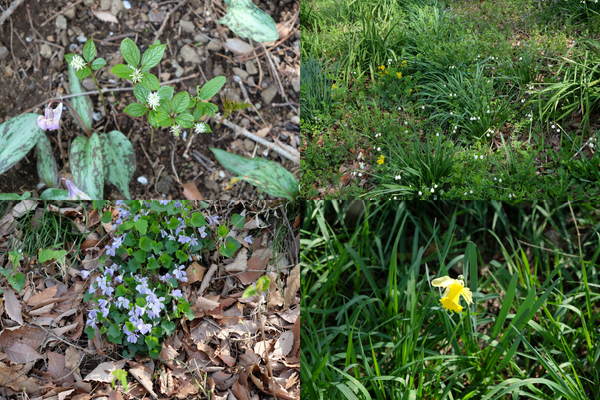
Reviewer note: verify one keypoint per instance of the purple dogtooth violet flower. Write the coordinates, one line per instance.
(50, 121)
(74, 192)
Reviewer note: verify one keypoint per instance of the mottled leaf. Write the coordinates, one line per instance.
(119, 160)
(82, 105)
(46, 163)
(87, 165)
(246, 20)
(18, 135)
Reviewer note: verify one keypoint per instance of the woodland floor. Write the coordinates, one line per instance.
(222, 354)
(32, 69)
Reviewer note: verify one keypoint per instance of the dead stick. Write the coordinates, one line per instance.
(164, 24)
(259, 140)
(8, 12)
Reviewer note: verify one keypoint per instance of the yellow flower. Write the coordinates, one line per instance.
(381, 159)
(404, 63)
(381, 67)
(455, 288)
(334, 86)
(398, 75)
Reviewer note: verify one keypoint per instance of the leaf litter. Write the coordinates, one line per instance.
(230, 351)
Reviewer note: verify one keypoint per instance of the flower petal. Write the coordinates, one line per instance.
(443, 281)
(467, 295)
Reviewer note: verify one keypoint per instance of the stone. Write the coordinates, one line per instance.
(105, 4)
(164, 184)
(238, 46)
(269, 94)
(61, 22)
(116, 6)
(214, 45)
(69, 13)
(189, 54)
(296, 84)
(240, 72)
(202, 38)
(249, 145)
(45, 50)
(3, 52)
(187, 26)
(251, 67)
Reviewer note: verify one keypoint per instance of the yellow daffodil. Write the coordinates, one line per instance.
(381, 67)
(398, 75)
(455, 288)
(381, 159)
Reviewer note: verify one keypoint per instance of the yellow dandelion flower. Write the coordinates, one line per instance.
(381, 159)
(398, 75)
(455, 288)
(381, 67)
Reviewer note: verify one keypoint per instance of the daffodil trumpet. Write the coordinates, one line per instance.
(454, 290)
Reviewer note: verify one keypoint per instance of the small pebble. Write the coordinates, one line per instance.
(81, 38)
(126, 4)
(143, 180)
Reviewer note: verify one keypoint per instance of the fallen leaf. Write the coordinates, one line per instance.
(21, 353)
(143, 373)
(72, 358)
(191, 192)
(56, 365)
(195, 272)
(204, 304)
(13, 307)
(63, 395)
(283, 345)
(240, 263)
(296, 330)
(103, 372)
(106, 16)
(256, 266)
(166, 383)
(16, 379)
(292, 286)
(115, 395)
(167, 353)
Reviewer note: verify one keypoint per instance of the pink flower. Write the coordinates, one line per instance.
(74, 192)
(51, 120)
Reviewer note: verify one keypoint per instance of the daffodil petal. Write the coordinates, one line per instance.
(443, 281)
(467, 295)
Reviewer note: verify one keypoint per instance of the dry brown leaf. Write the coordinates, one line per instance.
(240, 391)
(204, 304)
(166, 383)
(115, 395)
(103, 372)
(21, 353)
(283, 345)
(143, 373)
(292, 286)
(63, 395)
(72, 358)
(240, 263)
(13, 306)
(256, 266)
(204, 331)
(167, 353)
(187, 389)
(296, 330)
(191, 192)
(106, 16)
(56, 365)
(264, 131)
(14, 378)
(195, 272)
(31, 335)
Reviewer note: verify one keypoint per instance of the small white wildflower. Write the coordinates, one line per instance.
(176, 130)
(379, 149)
(420, 193)
(470, 192)
(201, 127)
(481, 157)
(77, 62)
(153, 100)
(432, 190)
(397, 177)
(360, 174)
(136, 75)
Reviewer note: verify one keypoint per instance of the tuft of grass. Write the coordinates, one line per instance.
(373, 327)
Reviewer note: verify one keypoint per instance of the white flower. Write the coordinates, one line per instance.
(176, 130)
(397, 177)
(153, 100)
(136, 75)
(420, 193)
(201, 127)
(77, 62)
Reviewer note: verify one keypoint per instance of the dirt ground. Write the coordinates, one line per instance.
(32, 69)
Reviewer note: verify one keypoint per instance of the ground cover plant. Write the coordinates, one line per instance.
(450, 300)
(141, 111)
(507, 91)
(169, 299)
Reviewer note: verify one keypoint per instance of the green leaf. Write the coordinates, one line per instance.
(266, 175)
(141, 225)
(18, 135)
(135, 110)
(83, 73)
(150, 81)
(114, 334)
(185, 120)
(46, 164)
(166, 92)
(211, 87)
(229, 248)
(119, 160)
(121, 376)
(141, 93)
(248, 21)
(17, 281)
(122, 71)
(203, 108)
(89, 50)
(87, 165)
(249, 292)
(98, 63)
(152, 56)
(54, 194)
(238, 221)
(181, 101)
(163, 119)
(263, 283)
(15, 196)
(90, 331)
(45, 255)
(81, 105)
(145, 243)
(130, 52)
(197, 220)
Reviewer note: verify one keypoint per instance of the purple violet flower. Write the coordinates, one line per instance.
(177, 293)
(202, 232)
(131, 337)
(180, 273)
(248, 239)
(213, 219)
(84, 273)
(122, 302)
(92, 318)
(144, 328)
(50, 121)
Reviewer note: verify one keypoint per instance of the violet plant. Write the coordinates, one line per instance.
(137, 294)
(98, 158)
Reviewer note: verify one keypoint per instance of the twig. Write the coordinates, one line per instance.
(164, 24)
(56, 14)
(173, 164)
(282, 152)
(8, 12)
(105, 90)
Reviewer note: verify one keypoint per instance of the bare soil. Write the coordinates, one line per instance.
(33, 70)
